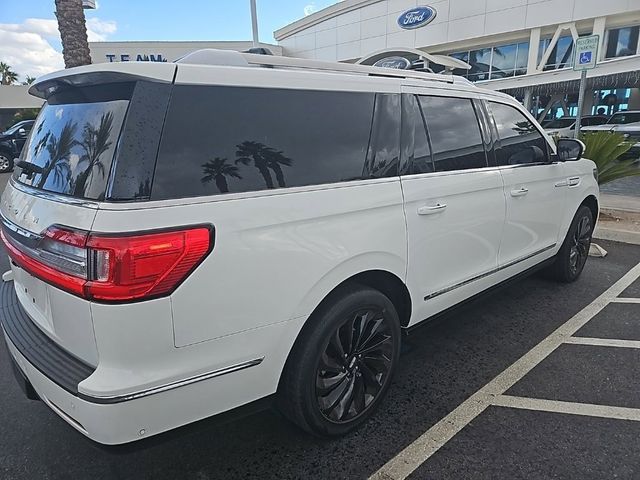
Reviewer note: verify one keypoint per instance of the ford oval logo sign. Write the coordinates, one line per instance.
(416, 17)
(400, 63)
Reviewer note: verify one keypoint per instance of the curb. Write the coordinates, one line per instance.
(614, 235)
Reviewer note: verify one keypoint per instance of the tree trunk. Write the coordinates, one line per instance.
(73, 33)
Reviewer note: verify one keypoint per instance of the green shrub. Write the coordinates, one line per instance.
(605, 149)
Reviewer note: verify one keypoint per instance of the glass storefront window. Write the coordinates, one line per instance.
(504, 61)
(480, 61)
(522, 58)
(622, 42)
(494, 62)
(561, 55)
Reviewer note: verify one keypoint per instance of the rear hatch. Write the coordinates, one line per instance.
(66, 169)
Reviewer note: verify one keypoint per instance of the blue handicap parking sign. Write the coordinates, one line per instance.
(585, 57)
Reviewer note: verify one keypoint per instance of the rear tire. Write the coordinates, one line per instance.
(341, 366)
(573, 254)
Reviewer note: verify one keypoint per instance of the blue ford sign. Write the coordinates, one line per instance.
(416, 17)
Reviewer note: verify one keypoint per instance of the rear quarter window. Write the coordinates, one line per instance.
(237, 139)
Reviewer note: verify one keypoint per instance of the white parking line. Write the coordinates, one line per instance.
(603, 342)
(626, 300)
(573, 408)
(405, 462)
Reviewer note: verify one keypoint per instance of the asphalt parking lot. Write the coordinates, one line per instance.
(472, 400)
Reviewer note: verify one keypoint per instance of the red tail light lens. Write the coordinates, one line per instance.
(114, 268)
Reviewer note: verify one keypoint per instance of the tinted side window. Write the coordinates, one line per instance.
(236, 139)
(415, 144)
(454, 132)
(384, 147)
(520, 142)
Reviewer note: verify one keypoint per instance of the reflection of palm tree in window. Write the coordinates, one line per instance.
(144, 189)
(95, 142)
(263, 158)
(218, 170)
(524, 128)
(59, 149)
(274, 159)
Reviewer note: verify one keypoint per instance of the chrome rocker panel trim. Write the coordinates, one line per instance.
(486, 274)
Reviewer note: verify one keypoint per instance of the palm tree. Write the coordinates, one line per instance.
(248, 152)
(605, 149)
(28, 80)
(7, 76)
(275, 158)
(59, 149)
(73, 33)
(217, 170)
(95, 142)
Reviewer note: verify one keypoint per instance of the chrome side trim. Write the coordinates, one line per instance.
(486, 274)
(171, 386)
(54, 197)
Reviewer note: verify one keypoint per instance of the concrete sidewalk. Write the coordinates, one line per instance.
(619, 219)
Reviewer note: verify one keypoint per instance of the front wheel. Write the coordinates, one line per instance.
(342, 365)
(573, 254)
(6, 162)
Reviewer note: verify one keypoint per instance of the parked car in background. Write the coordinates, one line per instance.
(564, 127)
(11, 142)
(628, 124)
(204, 234)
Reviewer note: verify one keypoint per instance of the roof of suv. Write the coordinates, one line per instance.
(210, 59)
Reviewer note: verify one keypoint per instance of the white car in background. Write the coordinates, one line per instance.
(628, 124)
(564, 127)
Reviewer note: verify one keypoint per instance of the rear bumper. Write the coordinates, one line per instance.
(54, 375)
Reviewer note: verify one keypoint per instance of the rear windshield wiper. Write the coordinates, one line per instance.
(28, 168)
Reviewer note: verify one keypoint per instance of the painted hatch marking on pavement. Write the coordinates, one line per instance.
(416, 453)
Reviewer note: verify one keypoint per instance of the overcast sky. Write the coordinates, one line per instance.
(30, 42)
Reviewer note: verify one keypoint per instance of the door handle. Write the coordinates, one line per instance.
(521, 192)
(573, 181)
(431, 209)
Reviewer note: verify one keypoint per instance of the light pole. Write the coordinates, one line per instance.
(254, 24)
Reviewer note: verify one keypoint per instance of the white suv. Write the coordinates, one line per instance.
(189, 238)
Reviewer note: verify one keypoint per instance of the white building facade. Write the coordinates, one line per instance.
(104, 52)
(523, 47)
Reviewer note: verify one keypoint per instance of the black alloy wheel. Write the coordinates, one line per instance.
(342, 363)
(354, 366)
(572, 256)
(581, 242)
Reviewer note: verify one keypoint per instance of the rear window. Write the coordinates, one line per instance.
(624, 118)
(72, 143)
(560, 123)
(234, 139)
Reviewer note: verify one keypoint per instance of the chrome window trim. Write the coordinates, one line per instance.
(54, 197)
(169, 386)
(486, 274)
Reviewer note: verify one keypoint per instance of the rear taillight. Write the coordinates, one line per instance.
(114, 268)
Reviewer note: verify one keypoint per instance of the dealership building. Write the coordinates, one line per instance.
(521, 47)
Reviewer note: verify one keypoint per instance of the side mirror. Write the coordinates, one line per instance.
(22, 132)
(570, 149)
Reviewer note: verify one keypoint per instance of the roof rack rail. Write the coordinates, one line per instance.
(229, 57)
(291, 62)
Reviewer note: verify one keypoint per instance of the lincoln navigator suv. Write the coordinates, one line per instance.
(188, 238)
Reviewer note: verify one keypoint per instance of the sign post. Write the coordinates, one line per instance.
(254, 24)
(585, 58)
